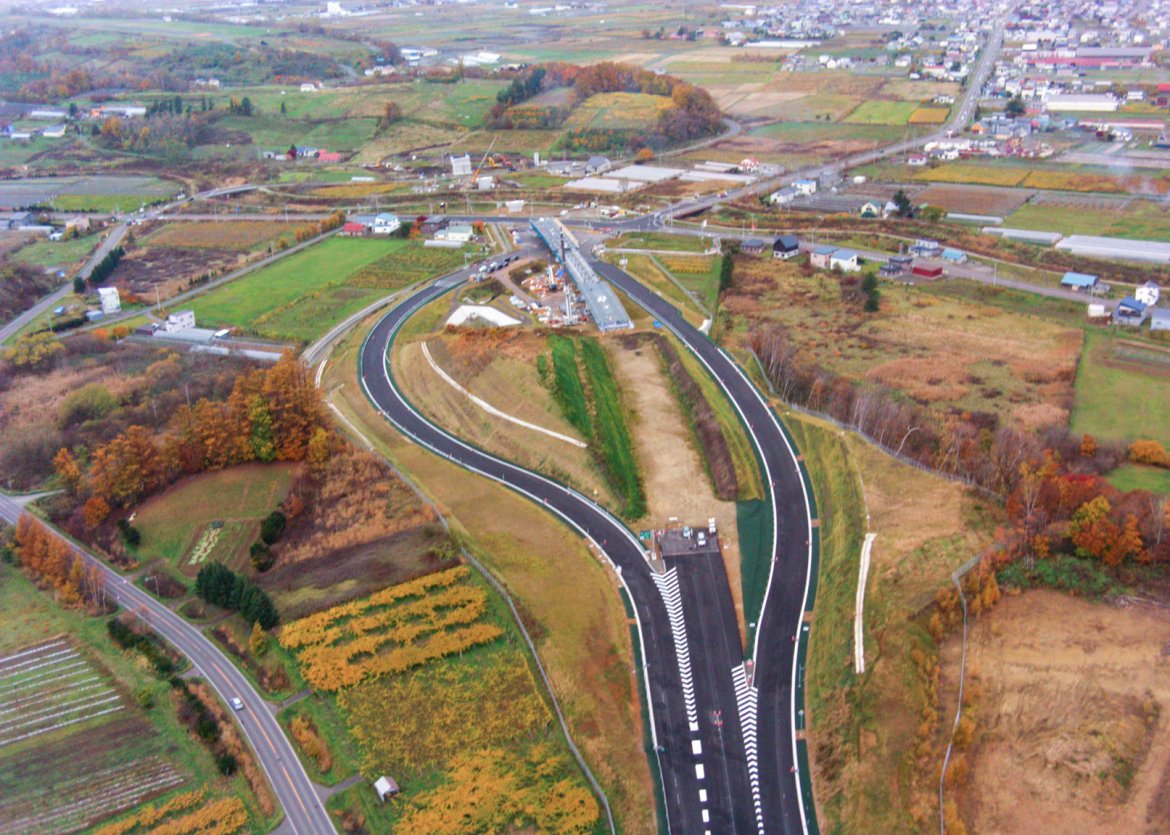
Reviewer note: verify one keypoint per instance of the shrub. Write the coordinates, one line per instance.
(272, 527)
(262, 557)
(130, 534)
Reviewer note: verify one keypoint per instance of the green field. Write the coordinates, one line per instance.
(302, 296)
(1140, 220)
(882, 113)
(1122, 391)
(175, 525)
(1139, 477)
(699, 275)
(56, 253)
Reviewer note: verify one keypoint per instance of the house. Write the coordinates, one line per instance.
(432, 224)
(805, 187)
(385, 224)
(180, 320)
(111, 302)
(458, 232)
(916, 160)
(786, 246)
(820, 256)
(1147, 294)
(752, 246)
(783, 197)
(927, 271)
(1160, 319)
(954, 256)
(897, 265)
(385, 787)
(844, 260)
(926, 248)
(53, 132)
(870, 209)
(597, 163)
(1130, 312)
(353, 229)
(15, 220)
(1081, 282)
(79, 224)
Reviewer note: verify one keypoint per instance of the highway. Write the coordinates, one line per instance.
(303, 810)
(688, 655)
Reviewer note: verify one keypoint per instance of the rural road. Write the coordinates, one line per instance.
(304, 812)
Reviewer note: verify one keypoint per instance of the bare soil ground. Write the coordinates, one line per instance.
(676, 484)
(1073, 733)
(978, 200)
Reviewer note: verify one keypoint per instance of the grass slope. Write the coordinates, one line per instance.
(1122, 392)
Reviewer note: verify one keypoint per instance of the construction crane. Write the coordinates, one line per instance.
(479, 167)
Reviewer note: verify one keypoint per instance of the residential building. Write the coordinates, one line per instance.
(385, 224)
(819, 257)
(458, 232)
(110, 301)
(954, 256)
(785, 247)
(844, 260)
(805, 187)
(461, 166)
(308, 87)
(1130, 312)
(1160, 319)
(752, 246)
(180, 320)
(783, 197)
(1147, 294)
(926, 248)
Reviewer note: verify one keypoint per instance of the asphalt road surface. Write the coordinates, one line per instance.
(304, 812)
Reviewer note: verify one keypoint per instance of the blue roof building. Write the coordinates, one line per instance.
(955, 256)
(1079, 281)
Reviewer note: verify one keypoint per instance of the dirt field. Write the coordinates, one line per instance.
(976, 200)
(1073, 734)
(675, 482)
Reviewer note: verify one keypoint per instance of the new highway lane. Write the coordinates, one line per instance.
(775, 642)
(304, 813)
(689, 651)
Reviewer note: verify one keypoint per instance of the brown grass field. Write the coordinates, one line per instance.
(945, 353)
(929, 116)
(236, 235)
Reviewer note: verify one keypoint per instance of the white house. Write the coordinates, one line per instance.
(805, 187)
(308, 87)
(844, 260)
(111, 302)
(1147, 294)
(386, 224)
(180, 320)
(53, 132)
(782, 197)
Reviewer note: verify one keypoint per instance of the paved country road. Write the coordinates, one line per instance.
(304, 812)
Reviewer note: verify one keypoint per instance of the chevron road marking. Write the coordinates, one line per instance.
(747, 698)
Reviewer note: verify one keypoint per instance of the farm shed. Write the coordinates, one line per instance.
(752, 246)
(1081, 282)
(786, 246)
(385, 787)
(353, 229)
(783, 197)
(928, 270)
(386, 223)
(820, 256)
(1160, 319)
(844, 260)
(1130, 312)
(597, 163)
(433, 224)
(896, 265)
(954, 256)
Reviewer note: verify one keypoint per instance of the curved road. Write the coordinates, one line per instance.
(305, 814)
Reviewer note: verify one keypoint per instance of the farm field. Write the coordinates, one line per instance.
(131, 190)
(883, 112)
(699, 275)
(303, 295)
(442, 649)
(944, 353)
(88, 751)
(1112, 372)
(929, 116)
(1025, 176)
(1139, 219)
(236, 235)
(976, 200)
(180, 527)
(660, 240)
